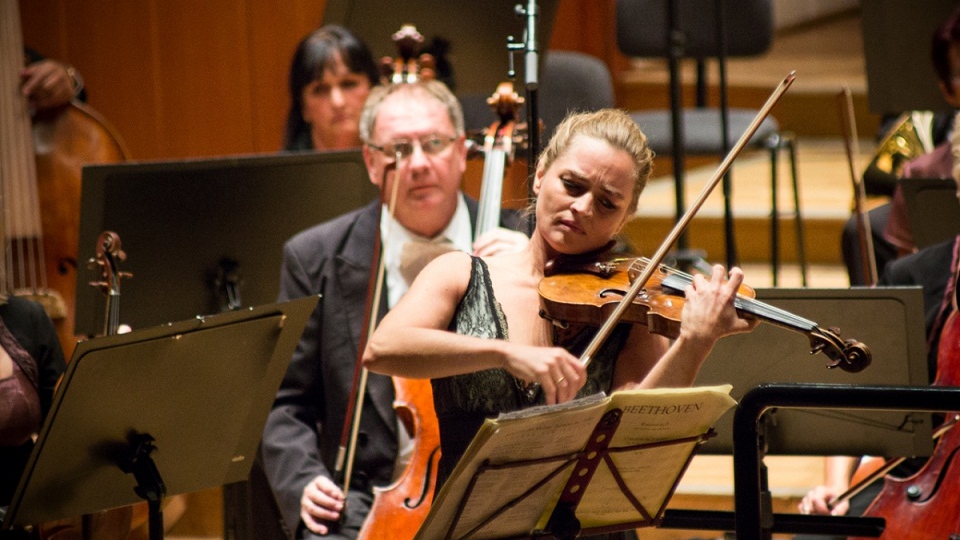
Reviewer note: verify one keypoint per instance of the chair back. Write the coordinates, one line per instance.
(643, 27)
(572, 81)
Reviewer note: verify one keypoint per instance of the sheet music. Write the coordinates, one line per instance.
(561, 432)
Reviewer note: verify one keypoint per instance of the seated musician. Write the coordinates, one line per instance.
(31, 362)
(31, 359)
(424, 123)
(471, 323)
(933, 268)
(331, 75)
(890, 229)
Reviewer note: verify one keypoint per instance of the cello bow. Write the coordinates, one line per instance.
(848, 128)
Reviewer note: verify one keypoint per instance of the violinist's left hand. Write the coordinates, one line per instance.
(499, 241)
(708, 313)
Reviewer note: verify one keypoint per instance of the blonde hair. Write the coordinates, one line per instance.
(614, 127)
(430, 89)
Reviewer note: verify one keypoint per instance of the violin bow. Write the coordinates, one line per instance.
(343, 468)
(848, 128)
(682, 223)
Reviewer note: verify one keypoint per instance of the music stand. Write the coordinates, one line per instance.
(888, 320)
(181, 220)
(595, 465)
(932, 209)
(192, 396)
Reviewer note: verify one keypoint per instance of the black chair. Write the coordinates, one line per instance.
(569, 81)
(572, 81)
(702, 30)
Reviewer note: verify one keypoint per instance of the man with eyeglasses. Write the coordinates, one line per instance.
(414, 149)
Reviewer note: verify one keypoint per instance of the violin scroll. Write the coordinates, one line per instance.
(108, 259)
(849, 355)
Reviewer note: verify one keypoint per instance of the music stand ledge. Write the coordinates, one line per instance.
(182, 406)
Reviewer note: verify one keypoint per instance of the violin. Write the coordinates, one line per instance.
(584, 292)
(925, 504)
(118, 522)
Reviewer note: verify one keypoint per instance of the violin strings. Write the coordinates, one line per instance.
(750, 305)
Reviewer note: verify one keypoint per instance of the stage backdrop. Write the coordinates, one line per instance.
(184, 79)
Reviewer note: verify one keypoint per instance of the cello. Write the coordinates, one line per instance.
(499, 145)
(398, 509)
(925, 504)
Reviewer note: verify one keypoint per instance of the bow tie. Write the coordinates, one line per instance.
(417, 253)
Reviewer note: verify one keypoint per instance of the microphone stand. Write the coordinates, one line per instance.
(531, 65)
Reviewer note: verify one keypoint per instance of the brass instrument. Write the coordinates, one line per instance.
(910, 137)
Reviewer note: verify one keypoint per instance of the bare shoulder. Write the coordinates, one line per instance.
(448, 271)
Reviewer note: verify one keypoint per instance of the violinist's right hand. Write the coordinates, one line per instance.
(320, 504)
(816, 502)
(559, 373)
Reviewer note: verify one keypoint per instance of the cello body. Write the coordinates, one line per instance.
(926, 505)
(399, 509)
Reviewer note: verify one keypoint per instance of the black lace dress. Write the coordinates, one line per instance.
(462, 402)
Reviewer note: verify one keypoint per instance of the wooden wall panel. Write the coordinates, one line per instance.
(183, 79)
(203, 77)
(112, 47)
(274, 34)
(180, 79)
(589, 26)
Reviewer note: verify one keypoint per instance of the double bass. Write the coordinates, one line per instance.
(41, 156)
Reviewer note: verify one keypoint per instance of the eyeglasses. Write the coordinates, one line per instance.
(431, 145)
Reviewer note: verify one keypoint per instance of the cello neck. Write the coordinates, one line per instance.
(498, 148)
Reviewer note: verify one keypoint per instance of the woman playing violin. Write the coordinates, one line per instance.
(587, 183)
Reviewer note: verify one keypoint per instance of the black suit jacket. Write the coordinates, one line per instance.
(302, 433)
(932, 268)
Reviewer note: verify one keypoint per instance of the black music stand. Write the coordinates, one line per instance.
(181, 222)
(888, 320)
(180, 406)
(932, 209)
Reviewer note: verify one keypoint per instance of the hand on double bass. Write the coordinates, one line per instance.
(321, 504)
(48, 84)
